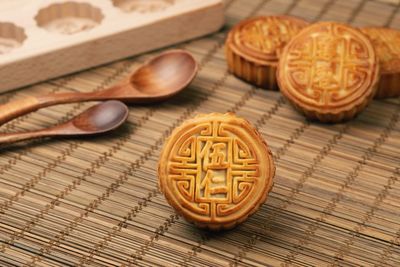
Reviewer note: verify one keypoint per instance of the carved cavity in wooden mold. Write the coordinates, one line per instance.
(69, 17)
(11, 36)
(143, 6)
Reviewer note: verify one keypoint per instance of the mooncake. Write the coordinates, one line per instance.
(253, 47)
(215, 170)
(329, 71)
(387, 46)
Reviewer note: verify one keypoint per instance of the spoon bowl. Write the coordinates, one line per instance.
(165, 75)
(160, 78)
(101, 118)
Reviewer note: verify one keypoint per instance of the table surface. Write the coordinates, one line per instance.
(94, 201)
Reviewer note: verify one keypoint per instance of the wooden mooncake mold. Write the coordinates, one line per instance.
(47, 39)
(216, 170)
(387, 46)
(329, 71)
(253, 47)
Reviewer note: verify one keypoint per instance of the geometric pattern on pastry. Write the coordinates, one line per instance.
(215, 170)
(329, 71)
(387, 45)
(253, 47)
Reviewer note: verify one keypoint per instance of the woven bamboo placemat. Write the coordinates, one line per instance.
(94, 201)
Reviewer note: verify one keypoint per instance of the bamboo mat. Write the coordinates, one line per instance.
(94, 201)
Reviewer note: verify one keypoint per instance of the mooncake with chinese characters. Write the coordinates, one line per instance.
(387, 46)
(253, 47)
(216, 170)
(329, 71)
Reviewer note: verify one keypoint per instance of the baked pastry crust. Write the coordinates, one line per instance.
(216, 170)
(387, 46)
(253, 47)
(329, 71)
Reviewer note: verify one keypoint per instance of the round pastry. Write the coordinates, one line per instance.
(215, 170)
(253, 47)
(329, 71)
(387, 46)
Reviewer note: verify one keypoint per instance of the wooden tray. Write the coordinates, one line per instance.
(44, 39)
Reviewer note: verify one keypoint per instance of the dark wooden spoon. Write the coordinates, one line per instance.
(100, 118)
(160, 78)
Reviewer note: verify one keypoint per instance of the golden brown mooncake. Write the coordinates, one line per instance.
(387, 46)
(253, 47)
(329, 71)
(215, 170)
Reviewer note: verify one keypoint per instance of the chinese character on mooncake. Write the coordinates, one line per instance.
(329, 71)
(387, 45)
(253, 47)
(216, 170)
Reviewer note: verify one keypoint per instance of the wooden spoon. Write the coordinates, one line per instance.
(160, 78)
(97, 119)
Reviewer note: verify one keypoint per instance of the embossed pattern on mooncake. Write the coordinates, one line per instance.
(329, 71)
(265, 37)
(387, 45)
(216, 170)
(253, 47)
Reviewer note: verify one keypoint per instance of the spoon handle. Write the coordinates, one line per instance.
(16, 137)
(16, 108)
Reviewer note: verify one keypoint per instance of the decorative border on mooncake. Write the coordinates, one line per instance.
(389, 86)
(263, 76)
